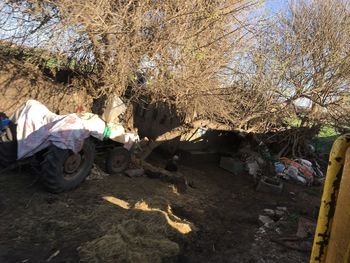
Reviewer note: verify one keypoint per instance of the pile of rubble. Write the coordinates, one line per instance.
(276, 239)
(270, 172)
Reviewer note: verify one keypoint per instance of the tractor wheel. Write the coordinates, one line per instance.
(62, 170)
(8, 146)
(118, 160)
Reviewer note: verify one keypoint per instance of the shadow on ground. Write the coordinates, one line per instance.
(88, 224)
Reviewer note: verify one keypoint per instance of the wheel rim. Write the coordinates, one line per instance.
(72, 165)
(118, 161)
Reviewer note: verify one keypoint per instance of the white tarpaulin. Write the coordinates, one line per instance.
(37, 128)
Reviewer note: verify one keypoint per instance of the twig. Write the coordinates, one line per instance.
(53, 255)
(29, 201)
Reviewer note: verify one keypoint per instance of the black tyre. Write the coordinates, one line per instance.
(8, 146)
(62, 170)
(118, 160)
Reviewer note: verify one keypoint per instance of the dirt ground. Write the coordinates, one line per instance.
(123, 219)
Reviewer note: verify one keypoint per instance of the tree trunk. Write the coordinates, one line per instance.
(185, 129)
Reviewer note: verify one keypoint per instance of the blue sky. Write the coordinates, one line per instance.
(274, 6)
(269, 8)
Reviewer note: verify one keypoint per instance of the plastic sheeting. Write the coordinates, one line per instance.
(37, 128)
(300, 170)
(114, 108)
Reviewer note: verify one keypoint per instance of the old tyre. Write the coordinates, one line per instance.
(118, 160)
(62, 170)
(8, 146)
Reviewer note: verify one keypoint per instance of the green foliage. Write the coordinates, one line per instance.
(325, 139)
(52, 63)
(293, 122)
(327, 131)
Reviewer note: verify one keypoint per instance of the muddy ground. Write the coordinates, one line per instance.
(140, 221)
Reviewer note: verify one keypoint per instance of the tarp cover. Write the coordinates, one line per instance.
(37, 128)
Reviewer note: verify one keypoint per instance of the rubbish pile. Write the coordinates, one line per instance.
(246, 161)
(299, 170)
(270, 218)
(269, 171)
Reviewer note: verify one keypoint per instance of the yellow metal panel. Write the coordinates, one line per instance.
(329, 199)
(340, 233)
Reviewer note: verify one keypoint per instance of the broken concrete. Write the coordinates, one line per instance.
(279, 213)
(269, 185)
(269, 212)
(266, 220)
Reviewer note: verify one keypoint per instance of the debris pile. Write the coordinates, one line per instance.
(282, 236)
(271, 218)
(255, 161)
(97, 173)
(246, 161)
(299, 170)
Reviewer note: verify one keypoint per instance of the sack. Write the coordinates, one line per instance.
(114, 108)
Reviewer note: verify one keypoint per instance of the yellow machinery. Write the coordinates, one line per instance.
(332, 237)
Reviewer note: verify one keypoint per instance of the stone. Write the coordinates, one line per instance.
(278, 230)
(269, 212)
(282, 208)
(279, 213)
(134, 172)
(266, 220)
(96, 174)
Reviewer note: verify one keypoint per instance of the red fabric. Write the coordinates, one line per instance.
(305, 170)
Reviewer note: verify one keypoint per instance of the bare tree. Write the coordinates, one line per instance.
(181, 46)
(297, 70)
(307, 59)
(203, 57)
